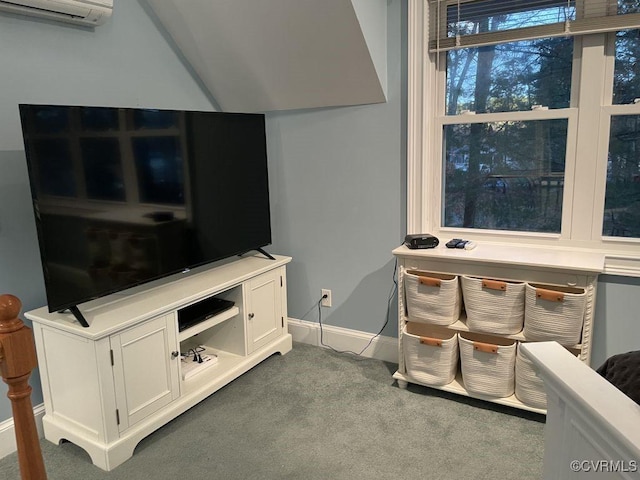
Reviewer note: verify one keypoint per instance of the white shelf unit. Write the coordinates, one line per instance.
(457, 387)
(503, 262)
(460, 325)
(108, 386)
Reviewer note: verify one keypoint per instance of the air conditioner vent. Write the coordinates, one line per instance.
(80, 12)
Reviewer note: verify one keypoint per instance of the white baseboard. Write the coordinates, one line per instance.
(8, 431)
(381, 348)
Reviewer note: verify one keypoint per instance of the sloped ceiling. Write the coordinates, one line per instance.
(266, 55)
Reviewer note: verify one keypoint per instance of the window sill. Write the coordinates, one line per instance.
(526, 256)
(584, 261)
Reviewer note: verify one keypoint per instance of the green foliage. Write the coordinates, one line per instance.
(510, 175)
(503, 180)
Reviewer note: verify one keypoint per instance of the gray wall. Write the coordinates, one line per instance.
(337, 175)
(337, 178)
(616, 327)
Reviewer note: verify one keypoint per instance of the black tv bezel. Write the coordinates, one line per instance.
(71, 307)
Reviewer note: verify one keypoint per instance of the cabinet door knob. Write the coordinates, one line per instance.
(175, 354)
(251, 315)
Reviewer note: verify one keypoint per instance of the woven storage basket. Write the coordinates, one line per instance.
(431, 354)
(487, 364)
(529, 386)
(493, 306)
(432, 297)
(554, 313)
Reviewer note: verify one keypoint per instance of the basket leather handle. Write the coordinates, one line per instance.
(494, 284)
(549, 295)
(485, 347)
(430, 281)
(433, 342)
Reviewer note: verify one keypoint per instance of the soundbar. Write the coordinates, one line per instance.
(201, 311)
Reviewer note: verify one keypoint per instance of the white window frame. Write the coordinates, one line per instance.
(584, 186)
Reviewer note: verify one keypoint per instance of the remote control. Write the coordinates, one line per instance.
(453, 243)
(470, 245)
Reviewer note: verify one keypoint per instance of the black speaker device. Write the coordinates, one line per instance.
(421, 240)
(201, 311)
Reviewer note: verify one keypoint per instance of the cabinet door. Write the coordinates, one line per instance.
(265, 318)
(145, 369)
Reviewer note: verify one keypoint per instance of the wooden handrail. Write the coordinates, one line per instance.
(17, 360)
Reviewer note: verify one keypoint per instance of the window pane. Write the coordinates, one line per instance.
(102, 168)
(510, 77)
(626, 80)
(628, 6)
(622, 198)
(498, 15)
(99, 119)
(49, 120)
(55, 167)
(159, 169)
(505, 175)
(154, 119)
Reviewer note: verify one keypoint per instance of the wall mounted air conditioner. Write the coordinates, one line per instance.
(80, 12)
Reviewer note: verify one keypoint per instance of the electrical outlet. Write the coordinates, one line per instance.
(326, 302)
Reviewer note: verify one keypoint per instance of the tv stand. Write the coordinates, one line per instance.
(265, 253)
(78, 314)
(126, 363)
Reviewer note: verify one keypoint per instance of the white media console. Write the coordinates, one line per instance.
(109, 385)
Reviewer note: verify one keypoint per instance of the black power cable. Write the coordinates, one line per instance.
(196, 354)
(392, 295)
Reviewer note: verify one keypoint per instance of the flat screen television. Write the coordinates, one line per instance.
(124, 196)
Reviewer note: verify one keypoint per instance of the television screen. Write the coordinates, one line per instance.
(123, 196)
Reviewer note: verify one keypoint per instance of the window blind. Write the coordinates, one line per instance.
(474, 23)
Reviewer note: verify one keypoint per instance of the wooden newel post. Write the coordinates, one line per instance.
(17, 360)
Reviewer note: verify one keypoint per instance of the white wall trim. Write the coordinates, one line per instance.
(415, 116)
(343, 339)
(8, 431)
(628, 266)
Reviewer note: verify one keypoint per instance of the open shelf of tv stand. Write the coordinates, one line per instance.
(126, 379)
(208, 323)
